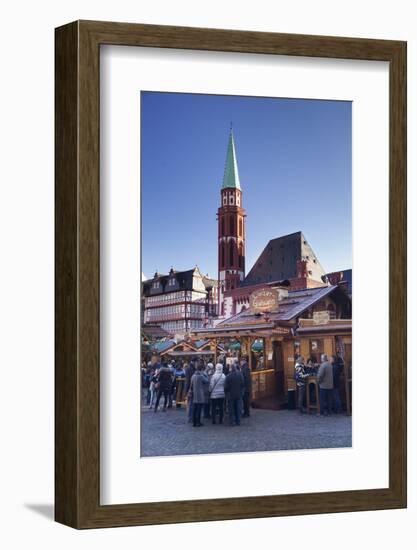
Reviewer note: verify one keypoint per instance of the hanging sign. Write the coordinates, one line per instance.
(321, 318)
(263, 300)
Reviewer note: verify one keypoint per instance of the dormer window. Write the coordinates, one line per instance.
(171, 282)
(155, 284)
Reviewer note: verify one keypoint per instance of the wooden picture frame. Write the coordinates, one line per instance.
(77, 382)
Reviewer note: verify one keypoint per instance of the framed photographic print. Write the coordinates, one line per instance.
(230, 274)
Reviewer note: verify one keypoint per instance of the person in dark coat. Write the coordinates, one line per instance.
(164, 386)
(189, 371)
(233, 389)
(247, 389)
(198, 390)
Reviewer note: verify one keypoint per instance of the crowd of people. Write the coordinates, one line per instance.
(328, 373)
(210, 390)
(213, 391)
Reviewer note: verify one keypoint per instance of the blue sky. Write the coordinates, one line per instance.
(295, 168)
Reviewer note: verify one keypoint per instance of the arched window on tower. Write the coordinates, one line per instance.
(231, 253)
(232, 225)
(222, 259)
(240, 228)
(222, 227)
(240, 256)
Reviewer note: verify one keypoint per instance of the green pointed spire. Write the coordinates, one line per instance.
(231, 172)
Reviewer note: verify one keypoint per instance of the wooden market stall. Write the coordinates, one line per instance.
(287, 323)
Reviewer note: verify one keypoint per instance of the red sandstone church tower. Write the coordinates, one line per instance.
(231, 223)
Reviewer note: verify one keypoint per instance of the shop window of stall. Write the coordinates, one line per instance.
(316, 349)
(258, 355)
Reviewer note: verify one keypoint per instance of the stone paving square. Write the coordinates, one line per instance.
(168, 433)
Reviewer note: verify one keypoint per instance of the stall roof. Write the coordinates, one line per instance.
(290, 307)
(160, 347)
(154, 332)
(201, 343)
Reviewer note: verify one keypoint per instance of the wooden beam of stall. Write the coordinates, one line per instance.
(237, 335)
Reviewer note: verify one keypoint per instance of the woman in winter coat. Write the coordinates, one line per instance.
(199, 382)
(216, 390)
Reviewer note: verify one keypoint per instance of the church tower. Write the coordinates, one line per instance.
(231, 228)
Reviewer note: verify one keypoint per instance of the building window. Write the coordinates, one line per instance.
(155, 285)
(222, 255)
(222, 230)
(231, 199)
(232, 225)
(231, 253)
(241, 256)
(224, 199)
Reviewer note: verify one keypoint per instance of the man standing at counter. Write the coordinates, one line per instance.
(300, 376)
(325, 380)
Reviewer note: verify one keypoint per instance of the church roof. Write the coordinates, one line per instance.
(231, 172)
(279, 259)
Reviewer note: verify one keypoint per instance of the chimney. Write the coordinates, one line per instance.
(302, 272)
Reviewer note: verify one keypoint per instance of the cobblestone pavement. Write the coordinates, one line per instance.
(168, 433)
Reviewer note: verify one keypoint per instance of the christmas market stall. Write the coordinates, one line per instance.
(282, 324)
